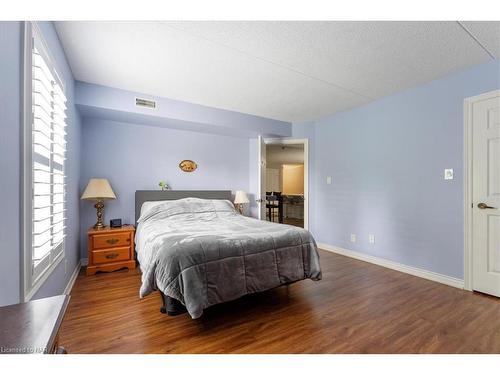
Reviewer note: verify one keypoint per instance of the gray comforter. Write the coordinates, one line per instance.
(202, 252)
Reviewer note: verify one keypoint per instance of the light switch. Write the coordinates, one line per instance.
(448, 174)
(353, 238)
(329, 180)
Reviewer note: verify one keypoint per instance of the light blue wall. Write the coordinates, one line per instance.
(10, 159)
(387, 160)
(134, 157)
(10, 81)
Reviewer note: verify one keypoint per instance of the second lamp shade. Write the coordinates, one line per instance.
(241, 197)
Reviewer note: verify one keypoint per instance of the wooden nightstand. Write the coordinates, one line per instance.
(110, 249)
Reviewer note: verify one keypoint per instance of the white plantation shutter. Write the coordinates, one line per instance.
(48, 156)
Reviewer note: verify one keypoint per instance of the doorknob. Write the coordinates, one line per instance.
(259, 200)
(483, 206)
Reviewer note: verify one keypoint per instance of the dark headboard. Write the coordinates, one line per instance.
(142, 196)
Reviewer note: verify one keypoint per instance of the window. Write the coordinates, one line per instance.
(45, 153)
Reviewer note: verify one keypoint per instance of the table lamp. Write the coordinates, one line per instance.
(240, 199)
(98, 189)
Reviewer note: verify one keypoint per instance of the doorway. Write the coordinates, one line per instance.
(482, 193)
(284, 184)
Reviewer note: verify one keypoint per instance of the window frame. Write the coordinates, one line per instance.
(31, 283)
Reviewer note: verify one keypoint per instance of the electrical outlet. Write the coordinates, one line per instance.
(353, 238)
(371, 238)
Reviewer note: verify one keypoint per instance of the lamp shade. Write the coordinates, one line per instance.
(98, 188)
(241, 197)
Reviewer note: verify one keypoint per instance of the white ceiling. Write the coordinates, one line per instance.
(291, 71)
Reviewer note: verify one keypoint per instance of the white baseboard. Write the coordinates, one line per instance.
(429, 275)
(72, 279)
(84, 262)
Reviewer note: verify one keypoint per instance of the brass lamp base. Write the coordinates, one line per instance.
(239, 207)
(100, 213)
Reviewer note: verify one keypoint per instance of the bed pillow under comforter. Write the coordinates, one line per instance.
(202, 252)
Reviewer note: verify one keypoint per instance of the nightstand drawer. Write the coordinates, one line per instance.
(102, 241)
(110, 255)
(110, 249)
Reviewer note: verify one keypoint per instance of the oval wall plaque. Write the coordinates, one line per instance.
(188, 165)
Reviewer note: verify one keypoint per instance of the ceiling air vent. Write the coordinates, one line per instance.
(139, 102)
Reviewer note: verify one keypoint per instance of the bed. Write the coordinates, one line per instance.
(197, 250)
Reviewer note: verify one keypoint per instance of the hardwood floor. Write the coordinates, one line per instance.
(357, 308)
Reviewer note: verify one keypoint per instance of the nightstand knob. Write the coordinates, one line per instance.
(112, 241)
(111, 256)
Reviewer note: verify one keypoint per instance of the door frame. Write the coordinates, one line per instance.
(468, 202)
(295, 141)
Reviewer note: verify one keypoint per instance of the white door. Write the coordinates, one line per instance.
(486, 195)
(261, 199)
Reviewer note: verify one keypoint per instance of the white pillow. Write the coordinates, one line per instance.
(149, 205)
(185, 204)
